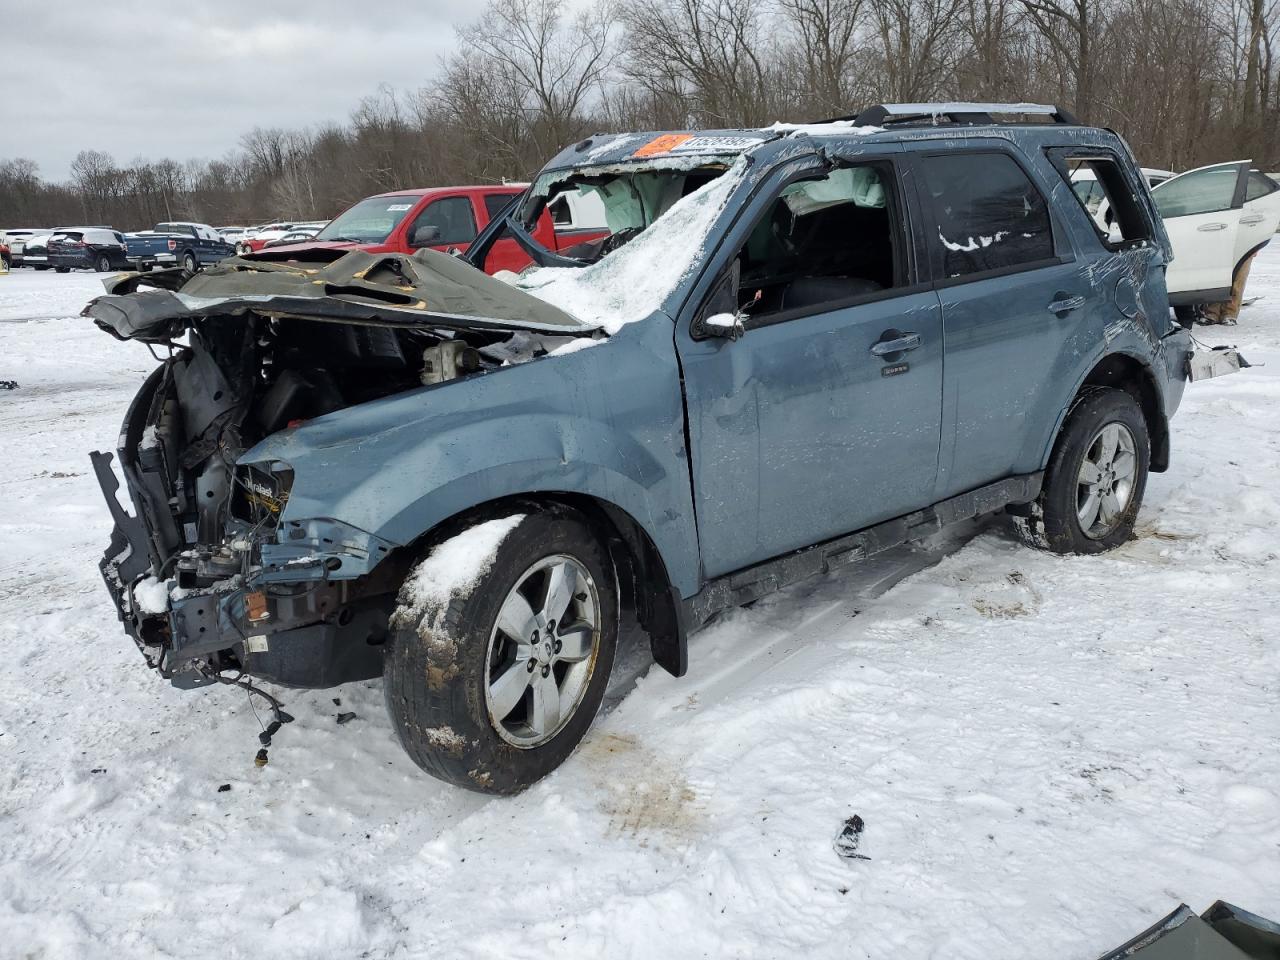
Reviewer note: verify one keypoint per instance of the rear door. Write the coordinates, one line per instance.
(1260, 215)
(1012, 298)
(1201, 210)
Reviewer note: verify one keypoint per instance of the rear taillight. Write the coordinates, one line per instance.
(173, 244)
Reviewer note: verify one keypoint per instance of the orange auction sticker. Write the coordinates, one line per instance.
(663, 144)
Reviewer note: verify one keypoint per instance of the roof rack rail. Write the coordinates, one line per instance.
(883, 114)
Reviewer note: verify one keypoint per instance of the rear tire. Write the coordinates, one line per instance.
(492, 686)
(1096, 477)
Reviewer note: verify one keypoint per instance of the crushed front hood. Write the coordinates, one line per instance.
(385, 289)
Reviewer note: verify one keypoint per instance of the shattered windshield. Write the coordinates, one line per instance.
(633, 196)
(658, 217)
(369, 221)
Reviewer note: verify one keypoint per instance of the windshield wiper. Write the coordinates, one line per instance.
(344, 240)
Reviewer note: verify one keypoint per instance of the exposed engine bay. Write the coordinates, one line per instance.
(204, 557)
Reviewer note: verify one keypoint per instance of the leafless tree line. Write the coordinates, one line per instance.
(1185, 81)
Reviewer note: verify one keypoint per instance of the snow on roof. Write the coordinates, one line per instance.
(831, 128)
(633, 281)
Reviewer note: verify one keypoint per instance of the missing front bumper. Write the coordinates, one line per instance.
(1218, 362)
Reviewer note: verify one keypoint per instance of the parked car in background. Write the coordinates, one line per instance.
(6, 257)
(796, 348)
(191, 245)
(231, 234)
(13, 235)
(1216, 217)
(87, 248)
(444, 218)
(296, 235)
(255, 238)
(31, 250)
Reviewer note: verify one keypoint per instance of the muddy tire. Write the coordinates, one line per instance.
(491, 685)
(1096, 477)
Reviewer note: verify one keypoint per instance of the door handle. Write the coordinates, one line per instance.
(899, 344)
(1210, 227)
(1251, 220)
(1065, 304)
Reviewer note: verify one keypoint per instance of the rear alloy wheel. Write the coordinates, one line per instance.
(1105, 482)
(1096, 477)
(189, 263)
(492, 686)
(104, 263)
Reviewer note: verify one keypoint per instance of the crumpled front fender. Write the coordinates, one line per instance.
(606, 421)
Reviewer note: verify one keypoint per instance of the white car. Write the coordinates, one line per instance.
(1215, 217)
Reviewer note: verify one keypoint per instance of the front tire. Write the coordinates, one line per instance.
(190, 264)
(1096, 477)
(104, 263)
(491, 684)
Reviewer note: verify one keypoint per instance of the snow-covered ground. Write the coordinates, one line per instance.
(1048, 753)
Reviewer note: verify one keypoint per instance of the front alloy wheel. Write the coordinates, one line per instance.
(542, 651)
(491, 683)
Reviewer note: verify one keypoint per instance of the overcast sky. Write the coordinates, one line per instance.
(185, 80)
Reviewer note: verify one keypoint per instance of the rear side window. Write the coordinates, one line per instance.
(494, 203)
(989, 214)
(1259, 186)
(1113, 208)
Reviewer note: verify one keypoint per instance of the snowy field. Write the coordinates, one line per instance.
(1049, 754)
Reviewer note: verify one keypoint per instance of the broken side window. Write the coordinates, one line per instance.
(1110, 200)
(988, 214)
(824, 242)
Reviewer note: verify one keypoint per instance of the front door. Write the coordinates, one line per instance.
(824, 416)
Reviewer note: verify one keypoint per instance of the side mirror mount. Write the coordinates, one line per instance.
(424, 236)
(721, 316)
(729, 326)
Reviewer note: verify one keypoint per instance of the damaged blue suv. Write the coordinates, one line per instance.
(796, 346)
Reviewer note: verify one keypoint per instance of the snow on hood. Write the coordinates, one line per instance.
(635, 280)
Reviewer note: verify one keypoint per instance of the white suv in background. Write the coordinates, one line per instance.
(1216, 216)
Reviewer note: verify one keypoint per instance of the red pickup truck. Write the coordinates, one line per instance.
(442, 218)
